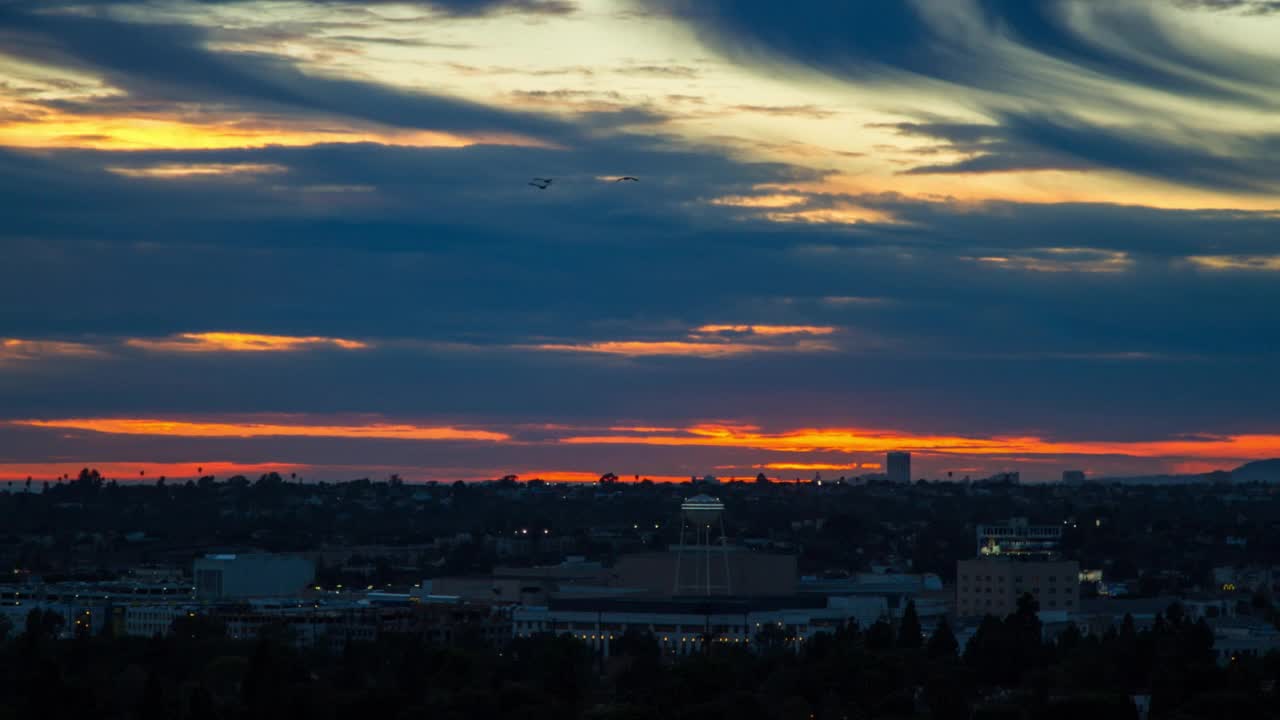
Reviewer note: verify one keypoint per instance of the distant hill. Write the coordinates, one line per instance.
(1258, 471)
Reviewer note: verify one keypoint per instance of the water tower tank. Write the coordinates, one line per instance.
(702, 509)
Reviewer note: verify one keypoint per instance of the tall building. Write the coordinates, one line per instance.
(898, 466)
(1073, 477)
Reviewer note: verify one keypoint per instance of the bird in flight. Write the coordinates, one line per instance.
(627, 178)
(541, 183)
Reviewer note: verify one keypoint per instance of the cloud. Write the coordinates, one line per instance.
(809, 111)
(222, 342)
(1250, 263)
(19, 350)
(167, 427)
(169, 63)
(708, 341)
(455, 8)
(865, 440)
(1247, 7)
(1064, 85)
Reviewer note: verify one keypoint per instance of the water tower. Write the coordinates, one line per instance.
(702, 566)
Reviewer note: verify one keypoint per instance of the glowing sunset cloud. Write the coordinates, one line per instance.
(16, 349)
(805, 466)
(768, 330)
(710, 341)
(682, 348)
(215, 342)
(191, 429)
(591, 477)
(878, 441)
(39, 126)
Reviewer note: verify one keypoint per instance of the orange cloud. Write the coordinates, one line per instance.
(591, 477)
(40, 126)
(17, 349)
(768, 330)
(804, 466)
(859, 440)
(182, 428)
(681, 348)
(710, 341)
(240, 342)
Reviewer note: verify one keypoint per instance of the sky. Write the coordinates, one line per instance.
(1004, 235)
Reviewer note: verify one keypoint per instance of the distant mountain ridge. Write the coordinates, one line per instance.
(1265, 471)
(1258, 471)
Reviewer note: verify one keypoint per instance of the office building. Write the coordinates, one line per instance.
(1073, 477)
(228, 576)
(992, 585)
(1019, 538)
(898, 466)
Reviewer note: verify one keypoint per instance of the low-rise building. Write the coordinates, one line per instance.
(684, 626)
(992, 586)
(250, 575)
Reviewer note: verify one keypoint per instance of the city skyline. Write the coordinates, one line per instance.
(252, 236)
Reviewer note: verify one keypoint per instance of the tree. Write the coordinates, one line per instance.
(880, 636)
(608, 479)
(762, 479)
(909, 631)
(942, 644)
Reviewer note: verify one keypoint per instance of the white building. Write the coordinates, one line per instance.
(152, 620)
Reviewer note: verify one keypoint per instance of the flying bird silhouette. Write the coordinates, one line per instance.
(541, 183)
(626, 178)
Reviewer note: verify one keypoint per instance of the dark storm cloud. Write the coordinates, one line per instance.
(167, 63)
